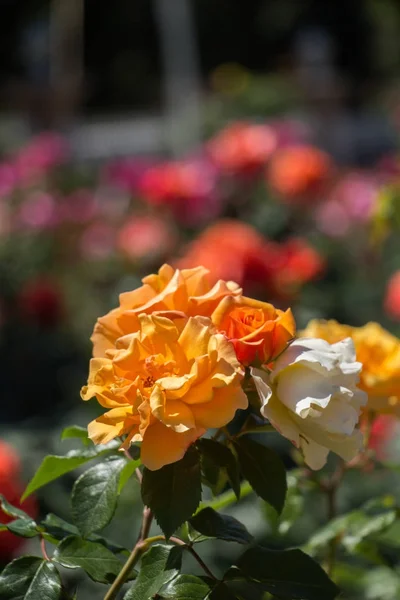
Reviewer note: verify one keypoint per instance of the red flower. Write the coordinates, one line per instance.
(382, 432)
(392, 297)
(12, 489)
(296, 263)
(41, 302)
(187, 188)
(243, 148)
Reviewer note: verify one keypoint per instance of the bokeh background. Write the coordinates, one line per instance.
(256, 137)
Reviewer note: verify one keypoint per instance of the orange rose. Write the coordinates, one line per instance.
(188, 291)
(299, 173)
(257, 329)
(165, 385)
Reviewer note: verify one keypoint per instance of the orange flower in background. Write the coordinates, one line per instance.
(231, 250)
(392, 297)
(188, 291)
(165, 384)
(235, 250)
(257, 329)
(378, 351)
(297, 172)
(243, 147)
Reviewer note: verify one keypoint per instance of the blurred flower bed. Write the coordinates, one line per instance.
(258, 203)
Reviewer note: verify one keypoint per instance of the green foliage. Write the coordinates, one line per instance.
(264, 470)
(74, 431)
(173, 493)
(54, 467)
(217, 458)
(287, 574)
(159, 566)
(186, 587)
(354, 528)
(16, 577)
(94, 495)
(46, 583)
(97, 561)
(224, 527)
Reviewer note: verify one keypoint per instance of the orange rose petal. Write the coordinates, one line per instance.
(221, 409)
(195, 337)
(173, 413)
(162, 445)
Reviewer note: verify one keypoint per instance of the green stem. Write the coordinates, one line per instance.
(330, 490)
(140, 547)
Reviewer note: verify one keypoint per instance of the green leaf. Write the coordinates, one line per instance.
(26, 528)
(127, 472)
(355, 527)
(75, 431)
(53, 467)
(57, 529)
(228, 498)
(158, 567)
(94, 496)
(173, 492)
(46, 584)
(186, 587)
(17, 576)
(99, 563)
(264, 470)
(222, 457)
(12, 511)
(288, 574)
(224, 527)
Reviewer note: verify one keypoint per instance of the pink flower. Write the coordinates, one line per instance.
(145, 237)
(8, 179)
(40, 156)
(38, 211)
(97, 241)
(78, 207)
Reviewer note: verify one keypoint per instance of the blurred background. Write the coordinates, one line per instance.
(256, 137)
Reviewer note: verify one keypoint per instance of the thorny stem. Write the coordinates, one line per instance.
(140, 547)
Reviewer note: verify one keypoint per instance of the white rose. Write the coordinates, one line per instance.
(311, 398)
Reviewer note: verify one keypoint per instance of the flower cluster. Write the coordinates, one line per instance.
(174, 359)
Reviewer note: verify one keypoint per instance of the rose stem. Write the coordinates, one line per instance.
(140, 547)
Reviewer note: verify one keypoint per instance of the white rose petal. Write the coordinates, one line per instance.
(311, 398)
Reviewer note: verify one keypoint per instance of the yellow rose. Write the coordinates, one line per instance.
(165, 385)
(188, 291)
(378, 351)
